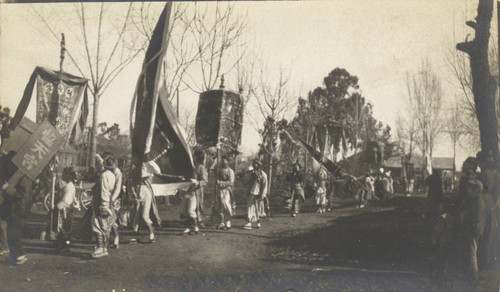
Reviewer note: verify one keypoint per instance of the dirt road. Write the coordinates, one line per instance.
(378, 248)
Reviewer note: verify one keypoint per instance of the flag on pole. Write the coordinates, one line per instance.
(157, 139)
(61, 99)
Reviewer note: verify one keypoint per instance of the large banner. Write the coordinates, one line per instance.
(61, 99)
(156, 136)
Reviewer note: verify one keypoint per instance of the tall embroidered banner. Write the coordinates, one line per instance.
(61, 99)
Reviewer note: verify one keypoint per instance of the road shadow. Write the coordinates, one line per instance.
(389, 235)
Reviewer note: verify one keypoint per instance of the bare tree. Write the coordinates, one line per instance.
(187, 121)
(273, 101)
(454, 128)
(182, 54)
(458, 63)
(425, 104)
(215, 34)
(406, 133)
(108, 43)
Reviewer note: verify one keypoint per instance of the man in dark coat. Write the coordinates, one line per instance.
(15, 207)
(470, 191)
(487, 177)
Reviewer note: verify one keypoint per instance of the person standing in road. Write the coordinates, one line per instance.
(256, 195)
(296, 180)
(434, 194)
(65, 209)
(224, 203)
(321, 201)
(116, 205)
(142, 193)
(201, 175)
(188, 208)
(101, 206)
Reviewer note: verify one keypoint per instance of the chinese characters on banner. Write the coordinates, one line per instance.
(57, 100)
(34, 155)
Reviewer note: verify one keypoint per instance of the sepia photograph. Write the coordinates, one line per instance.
(287, 146)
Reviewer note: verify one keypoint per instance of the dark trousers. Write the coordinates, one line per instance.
(3, 235)
(14, 233)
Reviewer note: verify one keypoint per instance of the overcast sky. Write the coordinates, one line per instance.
(379, 41)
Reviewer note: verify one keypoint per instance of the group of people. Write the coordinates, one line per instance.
(468, 217)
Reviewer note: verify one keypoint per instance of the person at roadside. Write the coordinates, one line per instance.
(487, 178)
(15, 207)
(470, 189)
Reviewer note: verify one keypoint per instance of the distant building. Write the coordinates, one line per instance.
(79, 156)
(394, 164)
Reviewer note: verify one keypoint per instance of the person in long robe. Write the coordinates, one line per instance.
(296, 180)
(201, 176)
(142, 193)
(487, 177)
(320, 196)
(470, 192)
(65, 209)
(256, 195)
(116, 205)
(101, 206)
(224, 204)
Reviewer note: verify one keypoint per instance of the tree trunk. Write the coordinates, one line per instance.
(483, 84)
(95, 122)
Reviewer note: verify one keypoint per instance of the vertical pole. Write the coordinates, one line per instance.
(177, 92)
(498, 35)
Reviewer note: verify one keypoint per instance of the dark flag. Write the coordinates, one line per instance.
(327, 163)
(61, 99)
(157, 139)
(332, 167)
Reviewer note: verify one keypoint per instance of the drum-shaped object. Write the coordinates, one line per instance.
(219, 118)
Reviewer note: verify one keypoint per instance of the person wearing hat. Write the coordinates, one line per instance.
(256, 195)
(297, 187)
(470, 192)
(101, 205)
